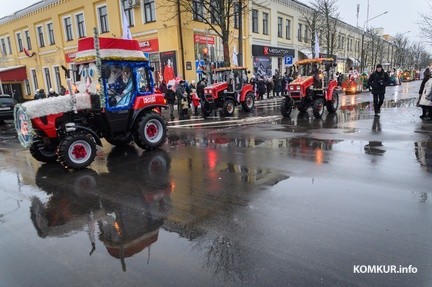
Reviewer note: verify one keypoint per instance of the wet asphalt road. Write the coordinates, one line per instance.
(255, 200)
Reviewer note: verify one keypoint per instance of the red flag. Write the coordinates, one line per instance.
(28, 54)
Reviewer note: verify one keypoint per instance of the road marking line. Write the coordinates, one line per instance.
(251, 120)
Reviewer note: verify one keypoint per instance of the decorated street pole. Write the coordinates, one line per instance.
(99, 66)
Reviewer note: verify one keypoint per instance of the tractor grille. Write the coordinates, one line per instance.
(295, 95)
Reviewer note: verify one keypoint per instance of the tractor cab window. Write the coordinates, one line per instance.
(143, 81)
(119, 84)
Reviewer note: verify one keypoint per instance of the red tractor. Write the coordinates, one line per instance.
(231, 88)
(314, 87)
(121, 106)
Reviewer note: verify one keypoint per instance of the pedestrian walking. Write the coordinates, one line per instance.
(181, 99)
(277, 83)
(378, 81)
(261, 87)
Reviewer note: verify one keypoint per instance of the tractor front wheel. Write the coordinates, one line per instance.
(286, 107)
(318, 108)
(151, 131)
(206, 108)
(42, 152)
(229, 107)
(77, 151)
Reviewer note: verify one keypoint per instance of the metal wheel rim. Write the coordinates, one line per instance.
(79, 151)
(153, 131)
(249, 101)
(230, 107)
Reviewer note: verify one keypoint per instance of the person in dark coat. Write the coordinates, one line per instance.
(426, 110)
(40, 94)
(261, 87)
(170, 97)
(52, 93)
(378, 80)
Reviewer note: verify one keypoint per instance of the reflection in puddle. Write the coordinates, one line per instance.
(374, 148)
(423, 152)
(212, 140)
(259, 176)
(127, 214)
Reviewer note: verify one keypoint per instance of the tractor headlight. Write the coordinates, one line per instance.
(298, 88)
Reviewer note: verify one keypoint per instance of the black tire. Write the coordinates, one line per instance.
(333, 104)
(206, 108)
(249, 102)
(318, 108)
(286, 107)
(229, 107)
(77, 151)
(119, 141)
(151, 131)
(43, 153)
(302, 107)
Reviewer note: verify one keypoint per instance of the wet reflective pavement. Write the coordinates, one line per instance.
(272, 202)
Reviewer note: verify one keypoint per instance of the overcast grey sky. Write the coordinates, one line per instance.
(402, 15)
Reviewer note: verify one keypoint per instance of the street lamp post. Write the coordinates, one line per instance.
(362, 64)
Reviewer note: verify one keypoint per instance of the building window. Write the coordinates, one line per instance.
(40, 36)
(9, 45)
(50, 29)
(28, 40)
(215, 13)
(27, 85)
(198, 10)
(343, 43)
(279, 27)
(265, 23)
(67, 22)
(19, 42)
(3, 46)
(47, 78)
(288, 29)
(299, 32)
(103, 19)
(80, 25)
(306, 35)
(128, 10)
(57, 78)
(339, 41)
(236, 15)
(255, 21)
(34, 78)
(149, 11)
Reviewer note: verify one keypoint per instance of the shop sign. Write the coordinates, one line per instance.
(151, 45)
(203, 39)
(70, 57)
(258, 50)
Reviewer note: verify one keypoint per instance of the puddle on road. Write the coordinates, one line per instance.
(423, 152)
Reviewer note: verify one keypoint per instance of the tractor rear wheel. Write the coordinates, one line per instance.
(318, 108)
(77, 151)
(333, 104)
(286, 107)
(249, 102)
(151, 131)
(229, 107)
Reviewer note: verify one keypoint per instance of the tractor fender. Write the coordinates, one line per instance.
(94, 135)
(332, 86)
(248, 88)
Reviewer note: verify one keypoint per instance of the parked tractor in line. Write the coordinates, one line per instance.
(230, 89)
(121, 107)
(314, 87)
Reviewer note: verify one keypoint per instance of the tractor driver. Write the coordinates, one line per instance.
(315, 72)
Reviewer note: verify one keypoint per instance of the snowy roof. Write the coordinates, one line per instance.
(28, 10)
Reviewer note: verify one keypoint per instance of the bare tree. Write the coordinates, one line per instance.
(314, 22)
(425, 24)
(219, 15)
(329, 18)
(401, 44)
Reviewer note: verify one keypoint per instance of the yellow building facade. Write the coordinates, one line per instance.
(39, 43)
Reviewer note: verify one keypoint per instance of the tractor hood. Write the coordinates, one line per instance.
(218, 86)
(302, 81)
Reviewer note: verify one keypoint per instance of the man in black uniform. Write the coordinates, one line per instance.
(378, 81)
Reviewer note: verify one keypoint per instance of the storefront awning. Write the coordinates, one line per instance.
(13, 74)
